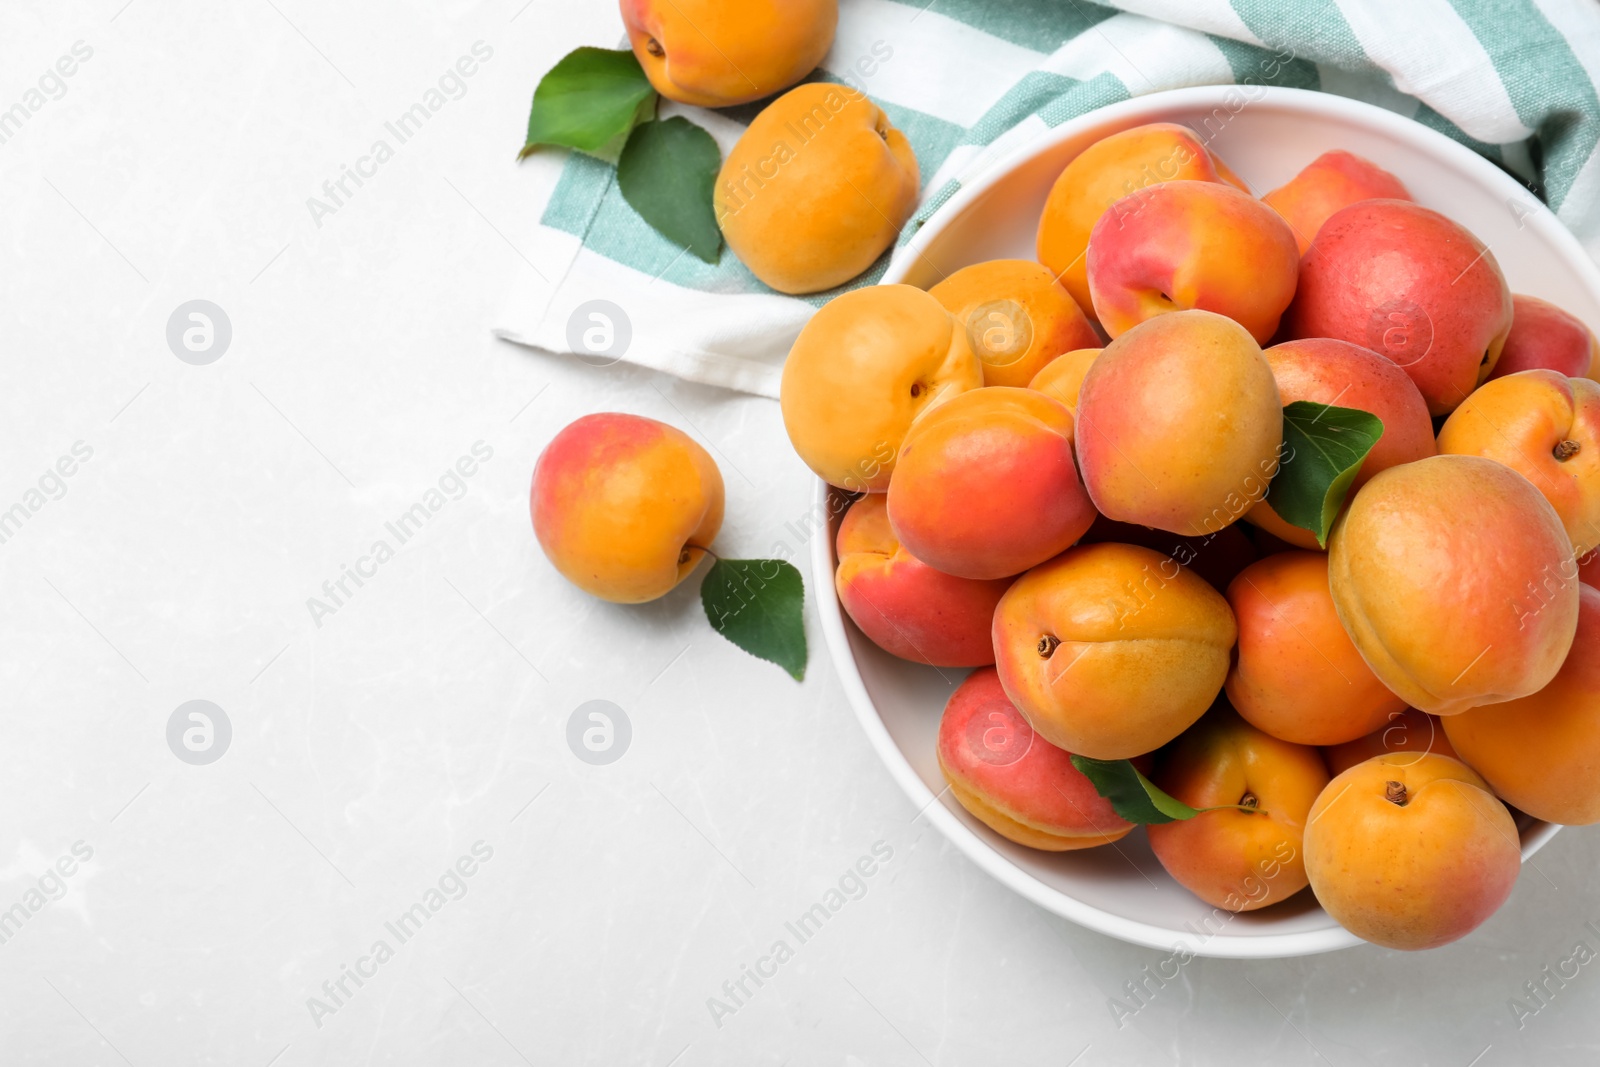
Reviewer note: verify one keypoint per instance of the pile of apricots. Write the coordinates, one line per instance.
(1043, 467)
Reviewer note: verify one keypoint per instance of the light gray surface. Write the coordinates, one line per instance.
(370, 753)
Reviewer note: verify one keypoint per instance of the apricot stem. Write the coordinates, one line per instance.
(1048, 645)
(1565, 450)
(653, 46)
(688, 547)
(1248, 801)
(1395, 793)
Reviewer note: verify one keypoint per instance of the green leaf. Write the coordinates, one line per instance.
(1324, 447)
(590, 101)
(756, 604)
(666, 173)
(1132, 795)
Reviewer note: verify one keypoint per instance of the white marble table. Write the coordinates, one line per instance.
(397, 858)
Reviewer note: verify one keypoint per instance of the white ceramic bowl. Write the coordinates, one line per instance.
(1120, 889)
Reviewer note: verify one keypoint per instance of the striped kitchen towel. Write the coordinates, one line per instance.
(970, 80)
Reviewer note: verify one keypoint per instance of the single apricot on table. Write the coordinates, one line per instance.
(1411, 852)
(1249, 855)
(625, 506)
(1012, 780)
(904, 606)
(816, 188)
(1296, 673)
(713, 54)
(1017, 317)
(864, 367)
(1111, 651)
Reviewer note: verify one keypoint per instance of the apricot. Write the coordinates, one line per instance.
(1012, 780)
(1589, 569)
(1450, 575)
(1406, 731)
(1182, 245)
(1544, 337)
(1542, 753)
(1103, 174)
(1234, 859)
(1546, 427)
(1296, 673)
(1341, 374)
(1218, 557)
(985, 485)
(1411, 285)
(864, 367)
(904, 606)
(1016, 316)
(1179, 424)
(1111, 650)
(1332, 181)
(1411, 852)
(1062, 378)
(625, 506)
(816, 188)
(714, 54)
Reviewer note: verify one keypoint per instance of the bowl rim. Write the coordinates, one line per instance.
(1147, 108)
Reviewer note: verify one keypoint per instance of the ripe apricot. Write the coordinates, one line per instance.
(1012, 780)
(1406, 731)
(1542, 753)
(1341, 374)
(1062, 378)
(1110, 650)
(864, 367)
(1179, 424)
(905, 606)
(1104, 173)
(816, 188)
(985, 485)
(1332, 181)
(1452, 577)
(1016, 316)
(1248, 856)
(1546, 427)
(625, 506)
(1411, 285)
(717, 54)
(1411, 852)
(1181, 245)
(1296, 673)
(1544, 336)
